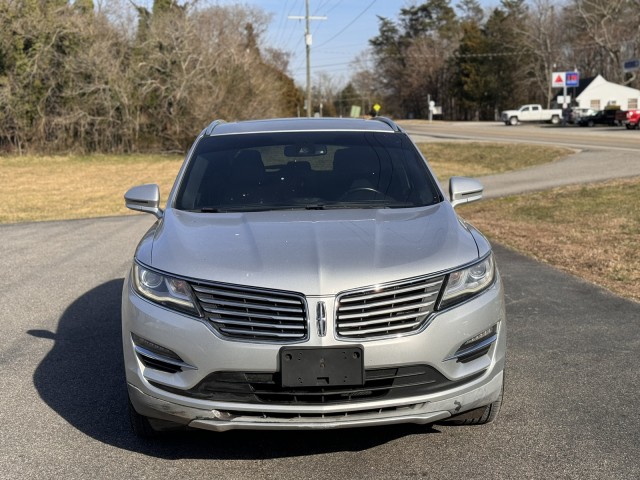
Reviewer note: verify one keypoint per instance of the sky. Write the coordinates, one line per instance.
(336, 41)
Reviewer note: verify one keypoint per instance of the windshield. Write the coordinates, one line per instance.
(305, 170)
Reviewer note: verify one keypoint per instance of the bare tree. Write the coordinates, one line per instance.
(544, 40)
(325, 93)
(75, 77)
(605, 34)
(365, 80)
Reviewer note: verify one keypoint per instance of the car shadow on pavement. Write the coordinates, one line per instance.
(82, 379)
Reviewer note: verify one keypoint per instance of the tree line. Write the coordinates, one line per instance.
(475, 63)
(117, 76)
(85, 77)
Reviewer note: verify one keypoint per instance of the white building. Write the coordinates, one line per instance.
(599, 94)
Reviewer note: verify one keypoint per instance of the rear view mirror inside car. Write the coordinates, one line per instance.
(305, 150)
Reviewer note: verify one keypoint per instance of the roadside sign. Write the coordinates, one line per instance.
(377, 107)
(572, 79)
(557, 80)
(631, 65)
(355, 111)
(565, 79)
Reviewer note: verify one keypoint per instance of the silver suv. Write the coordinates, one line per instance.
(310, 274)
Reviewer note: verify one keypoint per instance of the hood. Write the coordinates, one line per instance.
(311, 252)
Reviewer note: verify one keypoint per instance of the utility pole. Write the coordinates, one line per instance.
(307, 41)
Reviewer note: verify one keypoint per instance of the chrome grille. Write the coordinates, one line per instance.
(390, 309)
(252, 314)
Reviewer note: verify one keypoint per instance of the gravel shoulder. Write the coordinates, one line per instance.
(587, 166)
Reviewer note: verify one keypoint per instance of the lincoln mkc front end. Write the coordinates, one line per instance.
(310, 274)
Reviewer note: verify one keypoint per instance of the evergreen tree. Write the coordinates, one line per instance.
(411, 56)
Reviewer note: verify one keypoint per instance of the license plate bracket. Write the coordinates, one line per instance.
(322, 367)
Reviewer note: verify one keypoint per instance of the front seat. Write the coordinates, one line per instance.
(246, 177)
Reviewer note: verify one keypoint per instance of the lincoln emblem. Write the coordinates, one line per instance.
(321, 318)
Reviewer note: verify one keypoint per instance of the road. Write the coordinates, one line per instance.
(571, 397)
(602, 153)
(599, 138)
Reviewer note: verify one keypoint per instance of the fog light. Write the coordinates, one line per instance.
(154, 347)
(482, 335)
(476, 346)
(158, 357)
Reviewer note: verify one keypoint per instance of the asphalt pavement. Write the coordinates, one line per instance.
(571, 392)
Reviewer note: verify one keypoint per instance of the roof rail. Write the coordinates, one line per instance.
(209, 130)
(389, 122)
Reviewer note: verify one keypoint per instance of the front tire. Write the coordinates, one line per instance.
(140, 425)
(478, 416)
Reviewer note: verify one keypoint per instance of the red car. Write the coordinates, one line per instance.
(633, 118)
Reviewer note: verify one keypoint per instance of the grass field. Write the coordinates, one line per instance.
(477, 159)
(592, 231)
(63, 187)
(36, 188)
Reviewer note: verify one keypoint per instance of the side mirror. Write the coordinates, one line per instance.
(464, 190)
(144, 198)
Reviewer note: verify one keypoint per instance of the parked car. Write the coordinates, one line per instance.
(310, 274)
(603, 117)
(632, 120)
(579, 112)
(531, 113)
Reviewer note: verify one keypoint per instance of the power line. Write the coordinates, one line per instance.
(307, 41)
(293, 27)
(349, 24)
(286, 46)
(321, 6)
(337, 49)
(281, 24)
(334, 7)
(325, 65)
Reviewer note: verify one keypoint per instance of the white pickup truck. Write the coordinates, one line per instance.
(531, 113)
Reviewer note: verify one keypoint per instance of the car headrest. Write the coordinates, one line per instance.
(248, 164)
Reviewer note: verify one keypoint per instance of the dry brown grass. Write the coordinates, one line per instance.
(63, 187)
(473, 159)
(36, 188)
(592, 231)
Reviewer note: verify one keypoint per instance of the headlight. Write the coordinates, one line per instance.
(162, 289)
(468, 282)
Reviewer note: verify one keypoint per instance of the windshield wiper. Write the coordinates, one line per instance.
(207, 210)
(315, 206)
(260, 207)
(237, 208)
(369, 204)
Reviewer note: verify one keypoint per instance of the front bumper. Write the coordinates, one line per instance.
(156, 394)
(230, 416)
